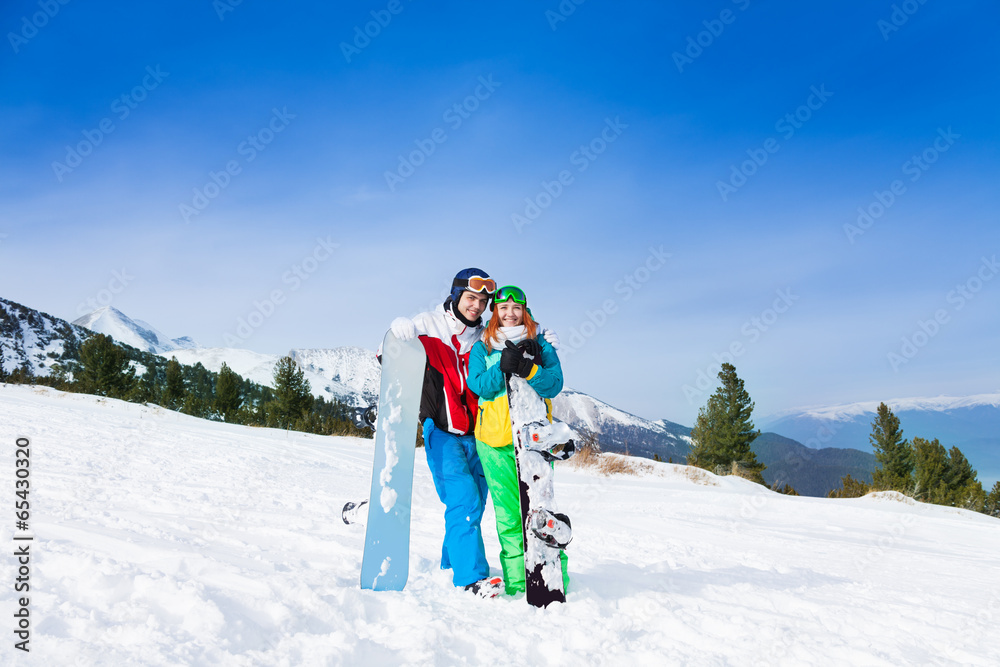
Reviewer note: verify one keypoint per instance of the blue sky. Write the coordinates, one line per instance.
(649, 269)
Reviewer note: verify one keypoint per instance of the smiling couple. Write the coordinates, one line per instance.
(466, 418)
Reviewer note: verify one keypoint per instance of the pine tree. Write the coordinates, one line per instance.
(724, 431)
(931, 463)
(148, 389)
(292, 393)
(965, 489)
(59, 376)
(960, 472)
(194, 405)
(992, 502)
(228, 393)
(893, 454)
(174, 391)
(105, 369)
(850, 488)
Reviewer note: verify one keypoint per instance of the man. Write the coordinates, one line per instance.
(448, 412)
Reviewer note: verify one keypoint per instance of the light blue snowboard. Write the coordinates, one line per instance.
(385, 564)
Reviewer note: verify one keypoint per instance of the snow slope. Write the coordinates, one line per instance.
(163, 539)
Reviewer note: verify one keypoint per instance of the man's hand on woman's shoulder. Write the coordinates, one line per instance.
(551, 337)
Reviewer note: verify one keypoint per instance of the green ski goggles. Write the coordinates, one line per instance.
(508, 293)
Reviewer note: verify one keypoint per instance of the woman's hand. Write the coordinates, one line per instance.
(531, 348)
(515, 359)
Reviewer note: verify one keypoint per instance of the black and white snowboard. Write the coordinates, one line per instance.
(546, 532)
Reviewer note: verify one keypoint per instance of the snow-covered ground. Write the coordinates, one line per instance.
(163, 539)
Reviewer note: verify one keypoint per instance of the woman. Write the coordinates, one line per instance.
(488, 361)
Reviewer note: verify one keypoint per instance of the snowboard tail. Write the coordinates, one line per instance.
(535, 440)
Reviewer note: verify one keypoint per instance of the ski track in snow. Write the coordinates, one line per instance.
(162, 539)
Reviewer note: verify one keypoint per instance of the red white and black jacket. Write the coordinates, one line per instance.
(446, 396)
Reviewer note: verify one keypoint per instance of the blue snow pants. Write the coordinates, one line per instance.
(461, 486)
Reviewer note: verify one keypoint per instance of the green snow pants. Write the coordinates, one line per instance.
(501, 478)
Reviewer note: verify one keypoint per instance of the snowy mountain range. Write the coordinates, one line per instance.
(351, 374)
(620, 431)
(971, 423)
(347, 374)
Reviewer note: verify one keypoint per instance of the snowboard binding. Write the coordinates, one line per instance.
(487, 588)
(365, 417)
(552, 528)
(354, 512)
(554, 441)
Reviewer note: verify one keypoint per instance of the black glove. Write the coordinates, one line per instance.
(513, 361)
(532, 348)
(509, 359)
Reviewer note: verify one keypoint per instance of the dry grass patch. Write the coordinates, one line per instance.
(589, 455)
(698, 476)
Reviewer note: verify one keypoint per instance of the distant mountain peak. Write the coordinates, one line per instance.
(110, 321)
(849, 411)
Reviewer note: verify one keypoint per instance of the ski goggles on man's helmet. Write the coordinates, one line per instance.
(476, 284)
(510, 292)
